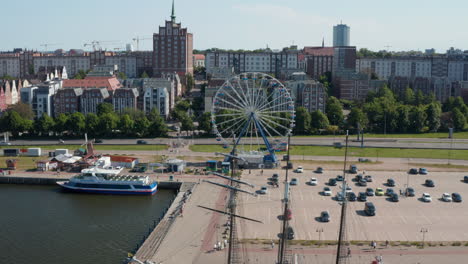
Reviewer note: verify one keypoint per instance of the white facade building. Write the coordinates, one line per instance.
(10, 66)
(72, 63)
(125, 64)
(156, 98)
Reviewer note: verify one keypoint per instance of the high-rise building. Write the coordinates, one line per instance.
(341, 35)
(172, 48)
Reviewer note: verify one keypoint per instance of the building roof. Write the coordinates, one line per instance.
(122, 92)
(319, 51)
(123, 159)
(199, 56)
(111, 83)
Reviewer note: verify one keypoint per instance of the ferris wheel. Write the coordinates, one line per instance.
(253, 111)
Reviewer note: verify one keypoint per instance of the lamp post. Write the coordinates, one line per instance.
(424, 231)
(320, 231)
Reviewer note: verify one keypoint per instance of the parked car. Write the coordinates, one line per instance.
(389, 192)
(394, 197)
(319, 170)
(379, 192)
(339, 196)
(290, 233)
(289, 166)
(465, 179)
(275, 177)
(413, 171)
(339, 177)
(327, 191)
(141, 142)
(446, 197)
(5, 143)
(409, 191)
(348, 189)
(325, 216)
(362, 197)
(332, 182)
(423, 171)
(456, 197)
(363, 182)
(429, 183)
(358, 177)
(369, 209)
(426, 197)
(313, 181)
(368, 178)
(263, 190)
(352, 197)
(299, 169)
(391, 183)
(294, 181)
(353, 169)
(98, 141)
(370, 192)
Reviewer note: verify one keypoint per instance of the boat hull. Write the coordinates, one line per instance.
(67, 187)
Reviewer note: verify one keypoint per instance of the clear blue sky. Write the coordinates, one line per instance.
(236, 24)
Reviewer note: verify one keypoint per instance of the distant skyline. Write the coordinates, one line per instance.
(237, 24)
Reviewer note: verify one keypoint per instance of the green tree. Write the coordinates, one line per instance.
(182, 105)
(122, 75)
(76, 123)
(433, 113)
(186, 122)
(153, 114)
(24, 110)
(403, 119)
(430, 98)
(302, 121)
(318, 121)
(133, 113)
(126, 124)
(204, 122)
(408, 97)
(417, 119)
(158, 126)
(419, 98)
(105, 108)
(334, 111)
(144, 75)
(92, 124)
(107, 123)
(44, 124)
(14, 123)
(60, 124)
(142, 126)
(190, 82)
(357, 116)
(459, 120)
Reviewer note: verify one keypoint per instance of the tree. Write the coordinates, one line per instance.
(433, 113)
(76, 123)
(318, 121)
(158, 126)
(80, 75)
(357, 116)
(144, 75)
(403, 118)
(44, 124)
(187, 122)
(417, 119)
(459, 120)
(182, 105)
(133, 113)
(430, 98)
(419, 98)
(190, 82)
(334, 111)
(122, 75)
(408, 97)
(92, 124)
(153, 114)
(302, 121)
(14, 123)
(204, 122)
(142, 125)
(107, 123)
(24, 110)
(105, 108)
(126, 124)
(60, 124)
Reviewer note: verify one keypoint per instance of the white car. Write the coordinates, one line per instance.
(299, 169)
(426, 198)
(313, 181)
(446, 197)
(3, 143)
(348, 189)
(263, 190)
(327, 191)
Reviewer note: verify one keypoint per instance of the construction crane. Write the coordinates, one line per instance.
(137, 40)
(96, 44)
(45, 45)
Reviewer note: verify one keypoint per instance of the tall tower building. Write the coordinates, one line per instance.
(172, 48)
(341, 35)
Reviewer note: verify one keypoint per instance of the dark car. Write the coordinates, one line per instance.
(413, 171)
(339, 177)
(368, 178)
(410, 191)
(319, 170)
(325, 216)
(290, 233)
(353, 169)
(363, 182)
(456, 197)
(429, 183)
(369, 209)
(359, 177)
(362, 197)
(423, 171)
(332, 182)
(289, 165)
(141, 142)
(275, 177)
(389, 192)
(465, 179)
(391, 182)
(98, 141)
(394, 197)
(352, 197)
(370, 192)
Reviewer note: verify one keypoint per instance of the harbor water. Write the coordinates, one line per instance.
(44, 225)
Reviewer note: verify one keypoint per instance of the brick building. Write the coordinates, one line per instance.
(67, 100)
(125, 98)
(318, 60)
(91, 98)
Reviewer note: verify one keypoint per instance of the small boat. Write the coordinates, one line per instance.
(108, 181)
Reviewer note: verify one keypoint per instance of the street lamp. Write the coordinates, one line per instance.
(320, 231)
(424, 231)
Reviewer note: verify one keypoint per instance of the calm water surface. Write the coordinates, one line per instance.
(43, 225)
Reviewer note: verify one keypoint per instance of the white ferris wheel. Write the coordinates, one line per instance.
(254, 112)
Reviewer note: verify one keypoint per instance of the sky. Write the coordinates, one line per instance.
(236, 24)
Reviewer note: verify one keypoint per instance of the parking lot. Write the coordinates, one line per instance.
(394, 221)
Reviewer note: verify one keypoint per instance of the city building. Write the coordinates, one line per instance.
(198, 60)
(91, 98)
(210, 91)
(318, 60)
(45, 63)
(100, 77)
(156, 98)
(125, 98)
(441, 87)
(307, 92)
(172, 48)
(43, 97)
(125, 63)
(341, 35)
(67, 100)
